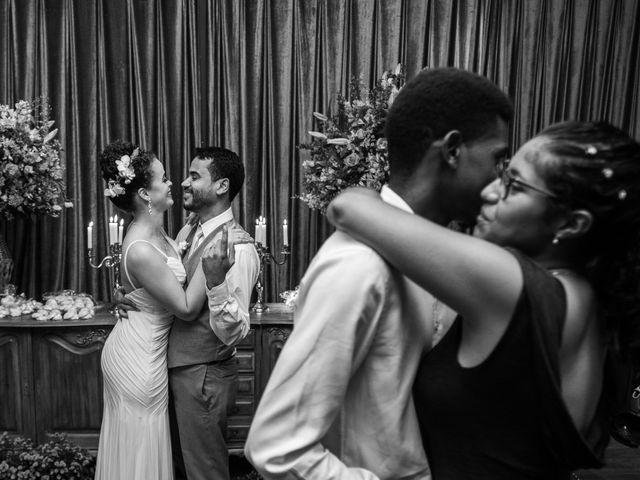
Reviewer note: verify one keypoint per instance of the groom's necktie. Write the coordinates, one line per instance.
(197, 239)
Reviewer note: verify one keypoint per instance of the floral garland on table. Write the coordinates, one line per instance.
(350, 150)
(31, 174)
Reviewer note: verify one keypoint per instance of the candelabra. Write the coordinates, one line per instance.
(112, 262)
(266, 257)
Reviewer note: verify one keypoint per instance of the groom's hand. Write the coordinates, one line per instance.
(123, 304)
(218, 257)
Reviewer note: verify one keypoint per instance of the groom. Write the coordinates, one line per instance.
(203, 369)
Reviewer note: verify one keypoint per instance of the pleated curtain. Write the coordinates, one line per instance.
(173, 75)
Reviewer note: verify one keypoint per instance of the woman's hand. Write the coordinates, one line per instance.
(340, 207)
(219, 257)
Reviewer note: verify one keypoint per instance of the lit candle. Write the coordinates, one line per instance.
(113, 233)
(264, 231)
(90, 235)
(120, 231)
(257, 233)
(285, 233)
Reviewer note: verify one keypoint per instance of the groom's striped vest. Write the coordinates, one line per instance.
(194, 342)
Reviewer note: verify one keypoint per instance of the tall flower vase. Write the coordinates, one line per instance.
(6, 264)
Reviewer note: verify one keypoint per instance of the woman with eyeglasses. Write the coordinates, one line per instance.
(517, 389)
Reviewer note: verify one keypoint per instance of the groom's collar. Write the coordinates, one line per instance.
(392, 198)
(213, 223)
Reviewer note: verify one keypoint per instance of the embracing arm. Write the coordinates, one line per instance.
(150, 271)
(479, 280)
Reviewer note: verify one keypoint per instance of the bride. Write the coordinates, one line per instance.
(134, 438)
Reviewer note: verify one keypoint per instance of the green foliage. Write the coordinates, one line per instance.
(56, 459)
(349, 149)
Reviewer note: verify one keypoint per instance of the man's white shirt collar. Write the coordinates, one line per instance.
(213, 223)
(392, 198)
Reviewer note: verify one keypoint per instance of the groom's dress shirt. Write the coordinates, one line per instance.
(338, 404)
(229, 301)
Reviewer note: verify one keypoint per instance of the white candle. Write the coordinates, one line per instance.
(113, 232)
(120, 231)
(257, 232)
(90, 235)
(285, 233)
(264, 231)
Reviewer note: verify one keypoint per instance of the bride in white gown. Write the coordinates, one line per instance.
(134, 439)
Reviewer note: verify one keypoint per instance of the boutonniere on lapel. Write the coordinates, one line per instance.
(183, 246)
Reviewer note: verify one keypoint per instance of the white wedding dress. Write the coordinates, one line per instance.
(135, 443)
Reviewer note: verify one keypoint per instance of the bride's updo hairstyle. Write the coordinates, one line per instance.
(125, 169)
(596, 166)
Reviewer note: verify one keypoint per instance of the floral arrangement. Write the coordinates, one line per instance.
(31, 176)
(58, 458)
(350, 150)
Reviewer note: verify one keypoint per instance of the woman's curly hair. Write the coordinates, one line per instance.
(140, 163)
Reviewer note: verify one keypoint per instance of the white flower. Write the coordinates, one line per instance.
(124, 168)
(318, 135)
(183, 246)
(320, 116)
(338, 141)
(113, 189)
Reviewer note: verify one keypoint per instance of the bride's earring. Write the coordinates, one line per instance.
(149, 205)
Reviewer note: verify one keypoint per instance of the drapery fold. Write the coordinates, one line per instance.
(174, 75)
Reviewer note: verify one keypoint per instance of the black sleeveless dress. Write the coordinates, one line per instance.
(505, 418)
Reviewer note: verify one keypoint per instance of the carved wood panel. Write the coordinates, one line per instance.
(68, 381)
(273, 339)
(16, 388)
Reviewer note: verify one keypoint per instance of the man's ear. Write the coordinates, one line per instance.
(577, 223)
(223, 186)
(451, 145)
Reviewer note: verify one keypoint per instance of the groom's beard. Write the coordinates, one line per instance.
(198, 201)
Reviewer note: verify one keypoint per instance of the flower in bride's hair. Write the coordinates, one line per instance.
(125, 170)
(348, 148)
(113, 189)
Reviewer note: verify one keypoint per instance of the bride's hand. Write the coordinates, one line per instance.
(218, 257)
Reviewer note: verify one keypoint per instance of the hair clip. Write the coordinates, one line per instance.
(607, 172)
(591, 150)
(622, 194)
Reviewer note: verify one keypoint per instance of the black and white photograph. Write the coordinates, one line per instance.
(320, 239)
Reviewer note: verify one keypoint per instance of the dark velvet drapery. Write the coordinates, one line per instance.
(174, 74)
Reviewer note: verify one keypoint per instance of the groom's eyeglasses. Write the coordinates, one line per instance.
(507, 180)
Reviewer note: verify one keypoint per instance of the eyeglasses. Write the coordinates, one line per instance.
(507, 180)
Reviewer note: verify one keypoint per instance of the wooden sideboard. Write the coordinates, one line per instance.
(50, 378)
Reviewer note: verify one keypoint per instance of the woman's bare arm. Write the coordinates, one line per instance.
(479, 280)
(149, 269)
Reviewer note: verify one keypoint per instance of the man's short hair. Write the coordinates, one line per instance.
(435, 102)
(224, 164)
